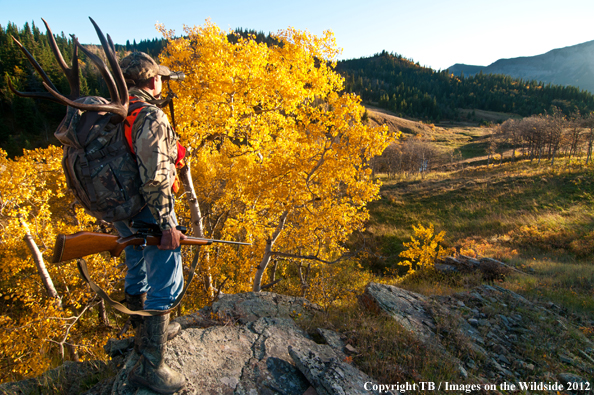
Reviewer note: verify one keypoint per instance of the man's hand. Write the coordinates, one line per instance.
(170, 239)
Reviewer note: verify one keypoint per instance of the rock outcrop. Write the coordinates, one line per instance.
(255, 348)
(409, 309)
(492, 326)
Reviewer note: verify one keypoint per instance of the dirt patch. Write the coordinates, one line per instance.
(378, 117)
(489, 116)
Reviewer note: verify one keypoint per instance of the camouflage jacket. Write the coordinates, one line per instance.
(155, 144)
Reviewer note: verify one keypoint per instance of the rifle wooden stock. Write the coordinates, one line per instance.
(81, 244)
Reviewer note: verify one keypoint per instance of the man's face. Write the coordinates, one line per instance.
(158, 87)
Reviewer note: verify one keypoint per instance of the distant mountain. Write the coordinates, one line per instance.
(572, 65)
(400, 85)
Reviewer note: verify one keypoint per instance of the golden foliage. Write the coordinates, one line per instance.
(34, 328)
(279, 157)
(424, 248)
(334, 285)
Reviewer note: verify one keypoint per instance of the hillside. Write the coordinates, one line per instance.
(469, 117)
(402, 86)
(385, 80)
(423, 268)
(465, 136)
(569, 66)
(479, 338)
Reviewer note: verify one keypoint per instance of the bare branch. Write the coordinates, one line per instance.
(268, 252)
(271, 284)
(39, 262)
(308, 257)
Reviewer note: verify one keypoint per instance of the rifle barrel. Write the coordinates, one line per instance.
(220, 241)
(81, 244)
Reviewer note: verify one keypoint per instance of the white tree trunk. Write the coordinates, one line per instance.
(185, 176)
(268, 252)
(590, 147)
(39, 262)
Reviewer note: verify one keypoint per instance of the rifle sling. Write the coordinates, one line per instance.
(84, 272)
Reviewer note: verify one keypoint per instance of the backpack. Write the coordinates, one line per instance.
(99, 162)
(100, 167)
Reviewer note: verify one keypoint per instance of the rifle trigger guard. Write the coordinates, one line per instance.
(143, 234)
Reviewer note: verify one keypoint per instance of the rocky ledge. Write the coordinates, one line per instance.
(249, 344)
(242, 344)
(494, 330)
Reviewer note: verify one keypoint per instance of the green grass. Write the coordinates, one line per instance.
(534, 217)
(384, 350)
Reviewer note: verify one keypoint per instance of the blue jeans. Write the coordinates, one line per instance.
(151, 270)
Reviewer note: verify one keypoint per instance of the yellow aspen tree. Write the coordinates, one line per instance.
(424, 248)
(279, 153)
(279, 157)
(36, 333)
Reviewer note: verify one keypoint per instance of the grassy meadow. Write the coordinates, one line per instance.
(538, 219)
(535, 218)
(532, 216)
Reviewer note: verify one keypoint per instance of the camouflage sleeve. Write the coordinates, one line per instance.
(156, 151)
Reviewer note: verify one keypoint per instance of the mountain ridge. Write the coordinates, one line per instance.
(572, 65)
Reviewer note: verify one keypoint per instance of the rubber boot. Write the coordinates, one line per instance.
(151, 371)
(135, 303)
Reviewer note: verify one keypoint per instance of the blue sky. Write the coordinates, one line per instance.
(434, 33)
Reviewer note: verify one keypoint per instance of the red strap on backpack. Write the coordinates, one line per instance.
(181, 150)
(181, 154)
(130, 121)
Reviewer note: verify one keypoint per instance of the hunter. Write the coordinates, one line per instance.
(154, 278)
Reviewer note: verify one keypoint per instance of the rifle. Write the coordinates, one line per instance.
(81, 244)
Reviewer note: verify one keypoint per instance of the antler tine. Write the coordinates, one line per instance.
(111, 86)
(111, 43)
(71, 73)
(75, 67)
(109, 49)
(120, 80)
(118, 93)
(114, 108)
(34, 63)
(33, 95)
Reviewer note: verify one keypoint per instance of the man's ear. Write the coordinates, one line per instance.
(151, 84)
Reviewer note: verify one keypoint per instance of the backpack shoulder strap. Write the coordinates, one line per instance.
(136, 105)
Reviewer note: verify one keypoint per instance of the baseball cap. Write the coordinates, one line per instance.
(140, 66)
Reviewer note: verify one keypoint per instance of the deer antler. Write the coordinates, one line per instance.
(71, 73)
(117, 89)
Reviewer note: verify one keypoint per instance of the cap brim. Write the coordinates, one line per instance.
(164, 71)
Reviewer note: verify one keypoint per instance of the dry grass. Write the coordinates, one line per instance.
(468, 137)
(490, 116)
(384, 350)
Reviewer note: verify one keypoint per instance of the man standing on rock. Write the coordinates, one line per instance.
(154, 279)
